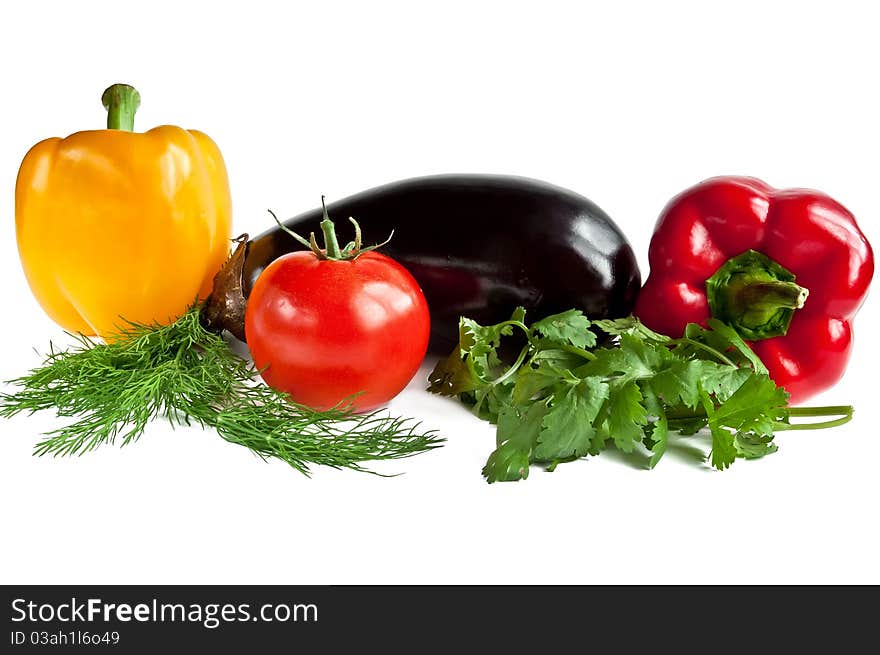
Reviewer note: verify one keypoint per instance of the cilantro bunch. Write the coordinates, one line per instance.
(566, 395)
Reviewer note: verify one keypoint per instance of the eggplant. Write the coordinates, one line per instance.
(479, 246)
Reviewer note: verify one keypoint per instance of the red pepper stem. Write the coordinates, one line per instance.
(757, 302)
(755, 295)
(772, 295)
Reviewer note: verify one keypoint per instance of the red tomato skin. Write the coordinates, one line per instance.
(324, 330)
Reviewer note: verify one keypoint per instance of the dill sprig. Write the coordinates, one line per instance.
(190, 376)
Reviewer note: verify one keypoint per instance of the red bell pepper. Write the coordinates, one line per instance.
(787, 268)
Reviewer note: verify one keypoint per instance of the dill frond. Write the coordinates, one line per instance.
(189, 375)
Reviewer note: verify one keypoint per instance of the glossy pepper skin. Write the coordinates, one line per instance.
(810, 235)
(113, 224)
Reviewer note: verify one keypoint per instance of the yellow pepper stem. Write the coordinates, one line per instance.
(121, 102)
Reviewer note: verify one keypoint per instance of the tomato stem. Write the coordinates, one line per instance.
(332, 251)
(331, 243)
(311, 244)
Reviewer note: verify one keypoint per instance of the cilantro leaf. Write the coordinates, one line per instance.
(756, 405)
(451, 376)
(656, 432)
(743, 425)
(725, 341)
(516, 436)
(687, 427)
(557, 358)
(567, 429)
(480, 343)
(631, 359)
(626, 416)
(722, 381)
(720, 329)
(723, 451)
(629, 325)
(570, 327)
(753, 446)
(489, 400)
(679, 382)
(509, 462)
(533, 381)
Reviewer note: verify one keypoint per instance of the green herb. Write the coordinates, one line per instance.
(190, 376)
(564, 397)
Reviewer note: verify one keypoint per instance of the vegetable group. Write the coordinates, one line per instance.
(478, 245)
(747, 309)
(326, 326)
(114, 225)
(119, 233)
(787, 269)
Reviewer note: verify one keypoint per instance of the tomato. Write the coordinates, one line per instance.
(326, 329)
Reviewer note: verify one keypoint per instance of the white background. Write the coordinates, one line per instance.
(627, 103)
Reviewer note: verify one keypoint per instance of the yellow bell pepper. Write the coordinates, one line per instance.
(116, 226)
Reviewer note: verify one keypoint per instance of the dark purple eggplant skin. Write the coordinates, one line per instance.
(481, 245)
